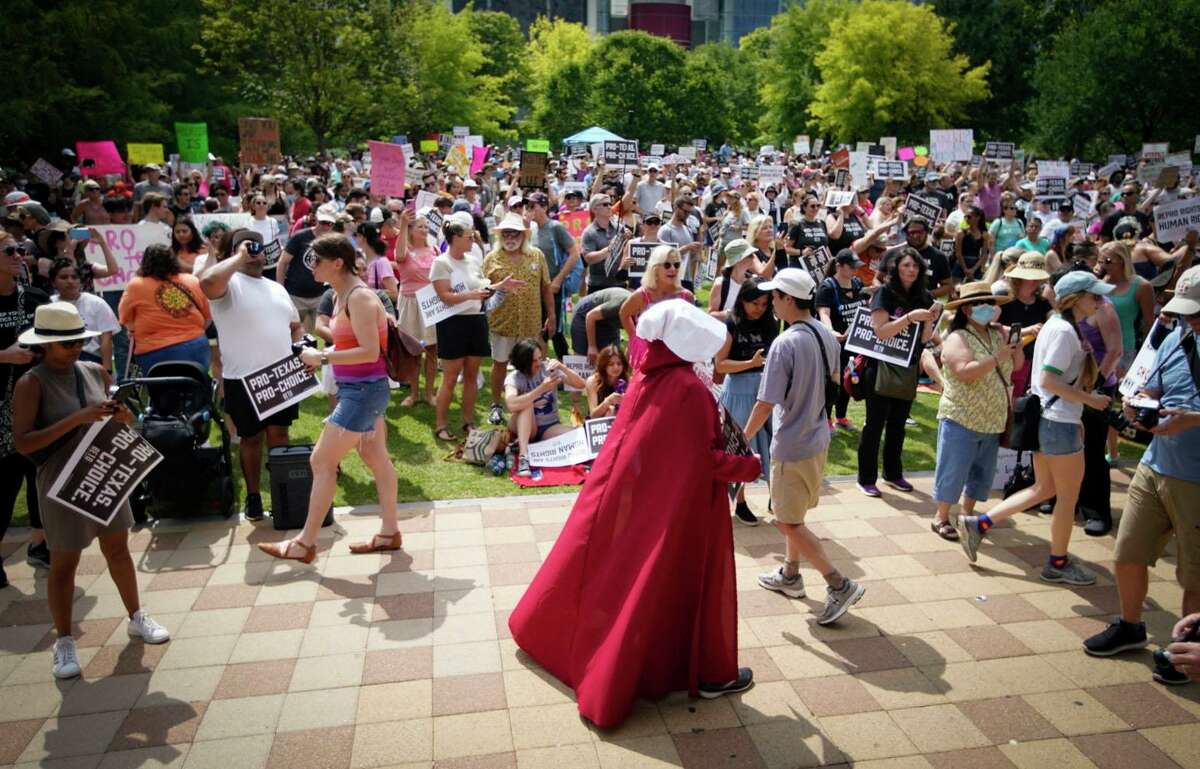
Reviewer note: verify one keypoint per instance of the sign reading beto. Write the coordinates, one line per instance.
(280, 384)
(107, 465)
(861, 339)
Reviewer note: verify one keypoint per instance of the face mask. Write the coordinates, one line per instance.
(983, 314)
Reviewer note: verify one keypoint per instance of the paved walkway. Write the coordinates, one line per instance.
(405, 661)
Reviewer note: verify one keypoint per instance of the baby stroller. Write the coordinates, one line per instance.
(176, 409)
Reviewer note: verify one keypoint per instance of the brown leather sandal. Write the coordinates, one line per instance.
(389, 542)
(944, 529)
(280, 550)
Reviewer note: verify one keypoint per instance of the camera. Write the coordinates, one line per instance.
(1161, 660)
(253, 247)
(1145, 413)
(308, 340)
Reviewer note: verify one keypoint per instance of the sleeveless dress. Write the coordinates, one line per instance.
(65, 528)
(637, 345)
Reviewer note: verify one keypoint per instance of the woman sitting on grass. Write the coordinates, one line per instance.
(531, 394)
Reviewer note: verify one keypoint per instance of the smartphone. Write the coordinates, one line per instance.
(1014, 334)
(78, 233)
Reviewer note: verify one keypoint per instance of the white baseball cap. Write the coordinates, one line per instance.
(1187, 293)
(792, 281)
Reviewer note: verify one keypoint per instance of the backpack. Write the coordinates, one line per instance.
(482, 444)
(574, 279)
(831, 387)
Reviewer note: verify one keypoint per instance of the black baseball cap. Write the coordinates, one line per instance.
(244, 235)
(848, 256)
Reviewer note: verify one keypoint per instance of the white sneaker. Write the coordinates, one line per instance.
(66, 660)
(143, 626)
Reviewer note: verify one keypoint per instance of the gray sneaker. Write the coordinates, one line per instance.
(969, 535)
(774, 580)
(838, 601)
(1071, 574)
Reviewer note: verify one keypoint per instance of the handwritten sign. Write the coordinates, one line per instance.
(862, 339)
(429, 145)
(889, 146)
(109, 462)
(905, 153)
(144, 154)
(127, 242)
(532, 173)
(952, 145)
(771, 175)
(434, 310)
(639, 257)
(193, 142)
(537, 145)
(388, 168)
(278, 385)
(41, 169)
(620, 154)
(259, 140)
(1059, 169)
(1174, 220)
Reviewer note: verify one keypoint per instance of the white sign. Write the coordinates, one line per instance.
(1006, 463)
(1142, 366)
(425, 199)
(859, 170)
(127, 243)
(687, 153)
(434, 310)
(658, 150)
(1105, 172)
(579, 364)
(952, 145)
(1057, 169)
(766, 149)
(1154, 152)
(46, 172)
(889, 146)
(770, 175)
(1173, 220)
(803, 145)
(1182, 161)
(571, 448)
(839, 198)
(461, 131)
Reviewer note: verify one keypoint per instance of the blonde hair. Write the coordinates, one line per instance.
(756, 224)
(657, 257)
(1123, 250)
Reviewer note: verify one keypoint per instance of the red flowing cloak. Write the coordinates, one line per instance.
(637, 598)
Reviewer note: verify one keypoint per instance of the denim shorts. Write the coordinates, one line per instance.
(966, 462)
(1059, 438)
(360, 404)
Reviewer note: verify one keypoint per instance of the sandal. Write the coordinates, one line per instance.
(379, 543)
(281, 549)
(408, 402)
(444, 434)
(945, 530)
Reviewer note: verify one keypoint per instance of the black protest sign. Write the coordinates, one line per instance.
(917, 207)
(1051, 187)
(749, 173)
(946, 246)
(714, 231)
(620, 154)
(1079, 168)
(532, 173)
(816, 261)
(639, 257)
(891, 169)
(877, 150)
(579, 150)
(106, 466)
(841, 178)
(278, 385)
(999, 150)
(862, 339)
(596, 432)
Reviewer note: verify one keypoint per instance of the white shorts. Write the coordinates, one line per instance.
(502, 347)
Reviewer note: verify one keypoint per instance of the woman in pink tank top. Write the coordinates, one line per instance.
(660, 282)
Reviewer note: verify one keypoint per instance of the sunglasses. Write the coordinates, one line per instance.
(672, 265)
(1010, 208)
(70, 343)
(222, 194)
(15, 250)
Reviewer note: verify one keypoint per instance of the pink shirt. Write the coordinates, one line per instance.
(413, 272)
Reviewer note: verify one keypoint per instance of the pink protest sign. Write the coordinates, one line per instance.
(127, 243)
(387, 168)
(478, 158)
(905, 153)
(103, 156)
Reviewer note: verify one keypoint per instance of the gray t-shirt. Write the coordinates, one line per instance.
(596, 238)
(679, 235)
(547, 235)
(794, 382)
(545, 408)
(648, 195)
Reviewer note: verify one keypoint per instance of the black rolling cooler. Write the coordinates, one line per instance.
(291, 485)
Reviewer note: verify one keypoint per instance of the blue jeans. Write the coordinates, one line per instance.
(195, 350)
(966, 463)
(360, 404)
(1059, 438)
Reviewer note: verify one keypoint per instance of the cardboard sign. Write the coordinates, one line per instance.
(429, 145)
(109, 462)
(127, 242)
(99, 159)
(575, 221)
(700, 144)
(41, 169)
(434, 310)
(144, 154)
(639, 257)
(193, 142)
(658, 150)
(927, 209)
(537, 145)
(816, 262)
(388, 168)
(861, 339)
(1174, 220)
(571, 448)
(839, 198)
(620, 154)
(956, 144)
(1050, 187)
(999, 150)
(891, 169)
(1154, 152)
(532, 173)
(579, 364)
(278, 385)
(259, 140)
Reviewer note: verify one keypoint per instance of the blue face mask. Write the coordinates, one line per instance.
(983, 314)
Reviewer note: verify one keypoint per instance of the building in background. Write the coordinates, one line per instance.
(687, 22)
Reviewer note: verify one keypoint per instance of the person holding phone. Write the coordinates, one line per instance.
(531, 394)
(53, 405)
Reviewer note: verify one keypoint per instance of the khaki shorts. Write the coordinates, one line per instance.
(502, 347)
(796, 488)
(1158, 507)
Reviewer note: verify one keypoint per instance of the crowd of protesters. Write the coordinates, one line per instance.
(1004, 292)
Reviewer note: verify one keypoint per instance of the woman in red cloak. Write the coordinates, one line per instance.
(637, 598)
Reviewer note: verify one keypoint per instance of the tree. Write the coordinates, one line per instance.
(719, 100)
(556, 86)
(1114, 79)
(789, 75)
(503, 48)
(901, 83)
(636, 85)
(562, 110)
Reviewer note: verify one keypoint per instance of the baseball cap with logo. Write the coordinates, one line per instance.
(792, 281)
(1187, 294)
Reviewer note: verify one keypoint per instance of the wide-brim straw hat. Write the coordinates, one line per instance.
(56, 322)
(977, 291)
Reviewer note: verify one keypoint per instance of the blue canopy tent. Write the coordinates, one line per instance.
(592, 135)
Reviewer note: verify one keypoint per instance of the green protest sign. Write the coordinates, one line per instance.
(429, 145)
(193, 142)
(537, 145)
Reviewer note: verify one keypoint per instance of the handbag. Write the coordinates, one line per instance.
(1021, 478)
(1006, 435)
(894, 381)
(482, 444)
(858, 378)
(402, 352)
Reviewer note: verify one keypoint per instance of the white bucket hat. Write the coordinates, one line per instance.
(688, 331)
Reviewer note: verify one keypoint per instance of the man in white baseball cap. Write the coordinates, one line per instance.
(1163, 494)
(802, 364)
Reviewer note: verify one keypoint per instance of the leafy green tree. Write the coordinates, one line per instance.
(887, 69)
(1118, 76)
(719, 100)
(503, 47)
(636, 85)
(556, 85)
(789, 75)
(562, 110)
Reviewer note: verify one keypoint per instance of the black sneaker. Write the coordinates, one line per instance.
(743, 682)
(1118, 637)
(744, 515)
(38, 556)
(1169, 675)
(254, 508)
(496, 414)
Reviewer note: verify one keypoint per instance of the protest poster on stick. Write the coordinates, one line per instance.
(639, 257)
(193, 142)
(127, 242)
(862, 339)
(620, 154)
(1173, 220)
(388, 168)
(259, 140)
(925, 209)
(278, 385)
(532, 173)
(109, 462)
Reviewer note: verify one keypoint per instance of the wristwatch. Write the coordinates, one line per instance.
(324, 357)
